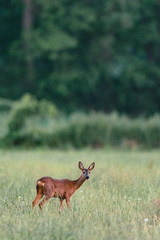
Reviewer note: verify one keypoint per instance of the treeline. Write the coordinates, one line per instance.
(86, 55)
(32, 123)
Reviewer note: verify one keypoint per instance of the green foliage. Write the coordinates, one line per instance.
(79, 130)
(26, 107)
(4, 120)
(83, 130)
(101, 56)
(99, 130)
(5, 105)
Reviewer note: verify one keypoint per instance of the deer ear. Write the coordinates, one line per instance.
(80, 165)
(91, 166)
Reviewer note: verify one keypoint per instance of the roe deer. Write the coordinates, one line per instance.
(61, 188)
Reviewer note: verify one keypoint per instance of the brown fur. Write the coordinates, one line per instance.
(61, 188)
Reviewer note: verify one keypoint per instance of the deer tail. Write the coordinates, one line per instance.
(39, 186)
(40, 183)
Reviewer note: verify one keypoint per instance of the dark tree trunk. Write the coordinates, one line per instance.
(27, 23)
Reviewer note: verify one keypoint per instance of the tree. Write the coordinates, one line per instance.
(84, 55)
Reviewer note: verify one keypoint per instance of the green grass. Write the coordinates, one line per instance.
(111, 205)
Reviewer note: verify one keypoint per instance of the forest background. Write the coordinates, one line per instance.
(93, 57)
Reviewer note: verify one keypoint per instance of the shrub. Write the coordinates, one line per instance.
(6, 105)
(87, 129)
(152, 132)
(26, 107)
(80, 129)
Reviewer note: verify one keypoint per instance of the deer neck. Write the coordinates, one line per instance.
(79, 181)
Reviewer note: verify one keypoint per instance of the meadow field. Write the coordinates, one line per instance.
(117, 202)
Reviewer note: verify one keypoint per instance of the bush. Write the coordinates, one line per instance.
(6, 105)
(79, 129)
(152, 132)
(26, 107)
(23, 109)
(86, 129)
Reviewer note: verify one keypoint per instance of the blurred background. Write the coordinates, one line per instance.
(80, 73)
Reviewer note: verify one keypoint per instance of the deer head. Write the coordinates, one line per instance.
(86, 171)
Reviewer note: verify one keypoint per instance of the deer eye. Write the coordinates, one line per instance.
(84, 172)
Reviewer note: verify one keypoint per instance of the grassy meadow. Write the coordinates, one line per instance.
(117, 202)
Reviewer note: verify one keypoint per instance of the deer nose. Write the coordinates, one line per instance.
(87, 177)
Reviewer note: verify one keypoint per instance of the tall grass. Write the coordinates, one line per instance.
(116, 203)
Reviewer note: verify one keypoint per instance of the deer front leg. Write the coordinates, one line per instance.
(61, 205)
(68, 202)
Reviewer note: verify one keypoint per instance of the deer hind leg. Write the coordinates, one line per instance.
(38, 197)
(43, 202)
